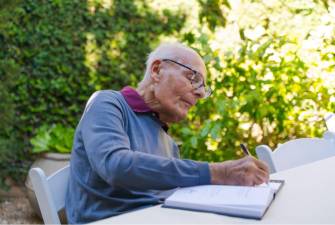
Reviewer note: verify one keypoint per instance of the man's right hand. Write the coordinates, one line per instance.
(246, 171)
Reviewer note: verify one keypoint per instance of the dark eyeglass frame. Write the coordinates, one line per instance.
(208, 90)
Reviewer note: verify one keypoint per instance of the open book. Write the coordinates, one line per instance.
(241, 201)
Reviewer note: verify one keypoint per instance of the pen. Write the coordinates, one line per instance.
(246, 152)
(245, 149)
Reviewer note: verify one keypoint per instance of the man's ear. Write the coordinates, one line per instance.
(155, 68)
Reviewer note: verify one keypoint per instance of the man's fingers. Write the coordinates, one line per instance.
(262, 176)
(258, 180)
(245, 171)
(262, 165)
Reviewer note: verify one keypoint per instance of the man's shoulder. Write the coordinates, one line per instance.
(105, 97)
(106, 93)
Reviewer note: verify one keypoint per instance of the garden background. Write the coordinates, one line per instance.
(271, 64)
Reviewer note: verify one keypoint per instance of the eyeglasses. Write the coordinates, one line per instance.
(196, 79)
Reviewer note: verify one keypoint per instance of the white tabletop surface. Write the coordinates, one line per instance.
(308, 196)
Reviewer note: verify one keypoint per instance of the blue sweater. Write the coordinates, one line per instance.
(122, 160)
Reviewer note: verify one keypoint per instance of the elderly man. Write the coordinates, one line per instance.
(123, 157)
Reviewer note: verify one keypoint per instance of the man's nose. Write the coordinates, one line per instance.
(199, 92)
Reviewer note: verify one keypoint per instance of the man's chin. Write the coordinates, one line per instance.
(176, 115)
(181, 116)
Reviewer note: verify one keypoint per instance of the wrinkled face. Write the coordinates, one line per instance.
(173, 87)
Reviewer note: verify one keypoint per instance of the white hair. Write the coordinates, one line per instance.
(165, 51)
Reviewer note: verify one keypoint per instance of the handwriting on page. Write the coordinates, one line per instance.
(215, 194)
(273, 185)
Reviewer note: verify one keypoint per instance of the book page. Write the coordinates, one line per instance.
(224, 195)
(273, 185)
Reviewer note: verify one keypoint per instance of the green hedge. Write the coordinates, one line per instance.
(48, 42)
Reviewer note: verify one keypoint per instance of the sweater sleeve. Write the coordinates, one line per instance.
(108, 149)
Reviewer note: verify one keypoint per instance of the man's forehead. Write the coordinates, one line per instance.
(190, 58)
(194, 62)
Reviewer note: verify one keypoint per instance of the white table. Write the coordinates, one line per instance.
(308, 196)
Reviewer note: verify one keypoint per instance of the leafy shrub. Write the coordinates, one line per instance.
(65, 50)
(269, 88)
(54, 138)
(13, 158)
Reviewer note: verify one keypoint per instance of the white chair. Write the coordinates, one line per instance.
(50, 192)
(329, 135)
(297, 152)
(330, 122)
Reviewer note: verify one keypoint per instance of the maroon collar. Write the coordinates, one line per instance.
(134, 100)
(137, 104)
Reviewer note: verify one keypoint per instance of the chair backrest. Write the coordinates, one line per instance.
(330, 121)
(50, 192)
(329, 135)
(296, 152)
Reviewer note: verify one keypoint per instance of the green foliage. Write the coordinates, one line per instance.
(265, 91)
(212, 13)
(54, 138)
(65, 50)
(12, 157)
(48, 43)
(242, 103)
